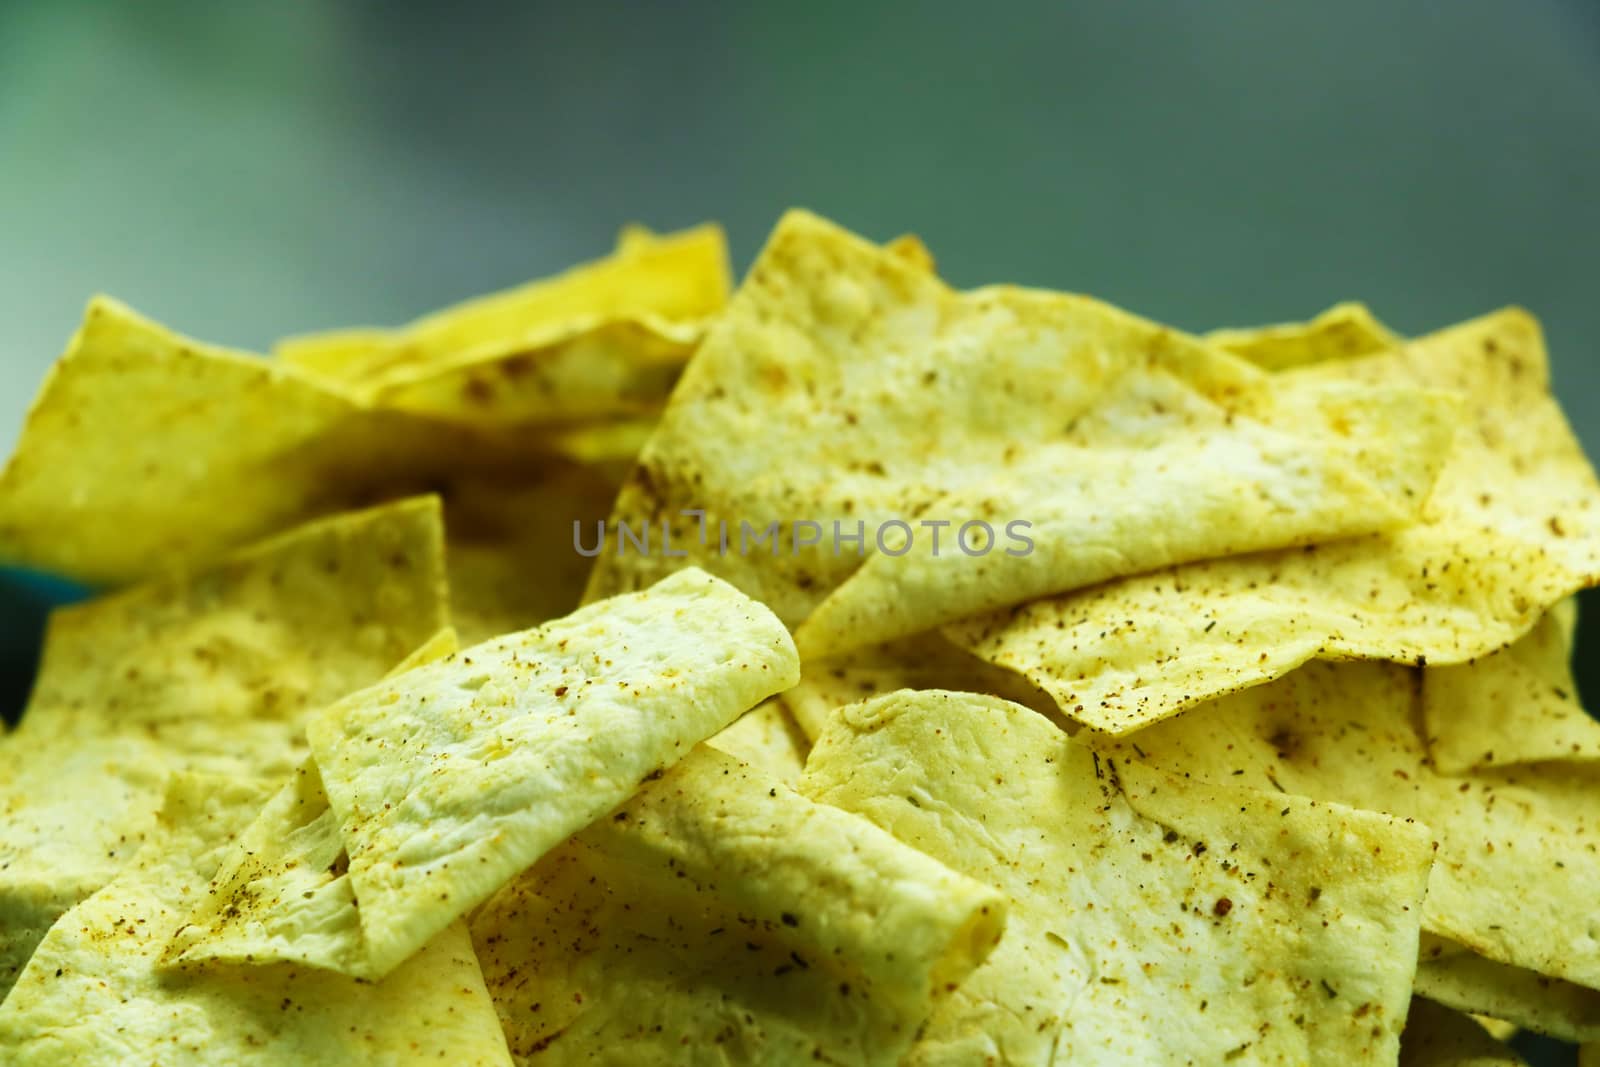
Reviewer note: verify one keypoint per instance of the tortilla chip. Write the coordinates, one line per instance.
(1438, 1037)
(1153, 919)
(121, 464)
(210, 672)
(1344, 331)
(846, 383)
(1515, 528)
(1517, 858)
(768, 739)
(449, 780)
(718, 911)
(926, 661)
(1517, 705)
(92, 994)
(604, 338)
(1455, 976)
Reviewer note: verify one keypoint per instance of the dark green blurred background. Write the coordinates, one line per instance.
(248, 170)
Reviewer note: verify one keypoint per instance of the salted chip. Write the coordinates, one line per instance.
(211, 671)
(605, 338)
(1517, 705)
(926, 661)
(1455, 976)
(846, 387)
(1153, 918)
(1517, 860)
(1514, 528)
(719, 917)
(1344, 331)
(1435, 1036)
(93, 995)
(452, 778)
(768, 739)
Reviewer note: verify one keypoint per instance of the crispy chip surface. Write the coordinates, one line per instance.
(1514, 528)
(1517, 852)
(92, 993)
(718, 917)
(1344, 331)
(846, 383)
(211, 671)
(451, 778)
(1153, 918)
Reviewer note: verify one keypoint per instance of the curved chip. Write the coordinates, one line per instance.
(1455, 976)
(846, 387)
(1517, 858)
(718, 917)
(212, 671)
(452, 778)
(1153, 918)
(92, 994)
(1514, 528)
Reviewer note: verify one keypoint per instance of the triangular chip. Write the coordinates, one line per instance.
(1153, 919)
(211, 671)
(452, 778)
(1344, 331)
(719, 916)
(92, 993)
(604, 338)
(1435, 1036)
(846, 384)
(1517, 847)
(1514, 528)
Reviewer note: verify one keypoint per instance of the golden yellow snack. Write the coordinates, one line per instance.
(1516, 856)
(448, 780)
(1513, 528)
(212, 671)
(605, 338)
(1153, 918)
(719, 917)
(847, 384)
(92, 993)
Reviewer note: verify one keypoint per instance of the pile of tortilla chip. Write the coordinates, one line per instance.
(627, 668)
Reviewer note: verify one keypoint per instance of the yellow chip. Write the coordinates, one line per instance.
(212, 671)
(719, 917)
(1455, 976)
(605, 338)
(1153, 918)
(1516, 858)
(92, 993)
(846, 384)
(1514, 528)
(448, 780)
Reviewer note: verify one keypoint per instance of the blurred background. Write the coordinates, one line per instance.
(242, 171)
